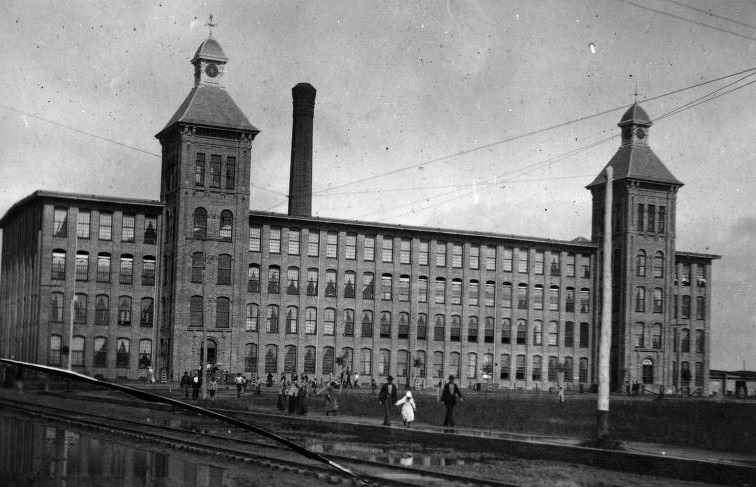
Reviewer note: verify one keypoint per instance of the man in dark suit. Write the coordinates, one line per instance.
(387, 397)
(449, 399)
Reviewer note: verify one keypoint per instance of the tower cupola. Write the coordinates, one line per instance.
(635, 124)
(209, 64)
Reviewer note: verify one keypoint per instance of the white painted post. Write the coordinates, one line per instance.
(605, 342)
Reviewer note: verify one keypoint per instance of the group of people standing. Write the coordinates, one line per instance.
(293, 393)
(449, 396)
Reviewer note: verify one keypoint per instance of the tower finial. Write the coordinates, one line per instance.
(635, 94)
(210, 24)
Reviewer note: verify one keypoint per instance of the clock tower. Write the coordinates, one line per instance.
(209, 64)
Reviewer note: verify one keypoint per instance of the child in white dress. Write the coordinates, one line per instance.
(408, 409)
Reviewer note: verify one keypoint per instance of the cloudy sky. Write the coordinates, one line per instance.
(427, 113)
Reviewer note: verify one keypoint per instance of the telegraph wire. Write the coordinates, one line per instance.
(711, 14)
(702, 100)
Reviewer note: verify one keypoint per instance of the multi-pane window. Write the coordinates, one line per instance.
(82, 265)
(332, 245)
(662, 222)
(522, 332)
(103, 267)
(506, 330)
(331, 289)
(199, 229)
(552, 369)
(250, 357)
(473, 291)
(658, 300)
(569, 299)
(404, 287)
(196, 311)
(438, 364)
(422, 257)
(368, 249)
(422, 326)
(309, 360)
(403, 325)
(659, 264)
(102, 309)
(641, 213)
(271, 359)
(385, 329)
(292, 280)
(311, 321)
(537, 365)
(569, 334)
(83, 222)
(274, 277)
(456, 255)
(472, 329)
(215, 171)
(456, 291)
(124, 311)
(106, 226)
(656, 336)
(367, 323)
(148, 270)
(488, 336)
(387, 249)
(685, 340)
(439, 291)
(472, 365)
(490, 258)
(350, 246)
(230, 172)
(474, 256)
(699, 341)
(294, 241)
(198, 266)
(274, 244)
(538, 297)
(685, 311)
(349, 281)
(522, 296)
(522, 261)
(271, 319)
(538, 262)
(505, 367)
(554, 298)
(490, 293)
(585, 266)
(146, 312)
(255, 238)
(402, 363)
(640, 263)
(222, 312)
(368, 285)
(570, 265)
(53, 356)
(126, 274)
(520, 367)
(348, 322)
(100, 359)
(224, 269)
(553, 334)
(313, 243)
(422, 289)
(640, 299)
(585, 300)
(700, 307)
(439, 328)
(537, 333)
(199, 169)
(555, 268)
(583, 370)
(440, 253)
(60, 221)
(366, 361)
(386, 287)
(569, 370)
(80, 308)
(128, 224)
(405, 251)
(123, 347)
(253, 278)
(312, 281)
(584, 335)
(507, 258)
(650, 220)
(292, 319)
(226, 225)
(329, 321)
(455, 333)
(253, 317)
(384, 362)
(506, 295)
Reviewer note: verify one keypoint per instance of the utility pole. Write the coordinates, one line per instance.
(605, 342)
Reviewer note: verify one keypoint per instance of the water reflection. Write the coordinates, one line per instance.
(382, 453)
(37, 454)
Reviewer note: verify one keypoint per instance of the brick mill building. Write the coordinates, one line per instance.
(117, 285)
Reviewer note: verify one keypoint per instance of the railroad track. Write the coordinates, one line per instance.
(262, 453)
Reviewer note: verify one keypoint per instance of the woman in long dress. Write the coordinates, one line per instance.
(408, 409)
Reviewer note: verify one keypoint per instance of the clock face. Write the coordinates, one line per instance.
(211, 70)
(640, 133)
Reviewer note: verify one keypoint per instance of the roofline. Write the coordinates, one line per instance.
(42, 194)
(594, 184)
(697, 255)
(408, 228)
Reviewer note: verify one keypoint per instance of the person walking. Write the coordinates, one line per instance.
(408, 409)
(560, 396)
(186, 384)
(330, 404)
(239, 381)
(196, 384)
(212, 386)
(449, 399)
(387, 397)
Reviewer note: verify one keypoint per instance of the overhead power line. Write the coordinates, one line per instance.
(711, 14)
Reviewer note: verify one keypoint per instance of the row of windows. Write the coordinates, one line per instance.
(214, 178)
(222, 312)
(681, 342)
(651, 218)
(683, 376)
(440, 366)
(472, 333)
(100, 352)
(402, 292)
(102, 309)
(199, 226)
(684, 310)
(105, 227)
(103, 269)
(388, 252)
(640, 264)
(685, 269)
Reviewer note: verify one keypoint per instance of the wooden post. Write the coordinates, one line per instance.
(605, 342)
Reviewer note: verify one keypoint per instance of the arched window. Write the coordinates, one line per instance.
(656, 336)
(77, 351)
(648, 371)
(456, 291)
(148, 270)
(537, 333)
(253, 317)
(438, 364)
(53, 354)
(329, 321)
(439, 328)
(126, 274)
(583, 370)
(585, 300)
(552, 369)
(331, 286)
(271, 359)
(488, 336)
(538, 297)
(440, 290)
(292, 319)
(472, 329)
(226, 225)
(366, 361)
(250, 358)
(145, 353)
(274, 279)
(522, 296)
(422, 326)
(123, 347)
(82, 265)
(639, 330)
(506, 330)
(640, 263)
(292, 280)
(146, 313)
(640, 299)
(196, 311)
(58, 271)
(124, 310)
(506, 295)
(312, 281)
(569, 299)
(253, 278)
(385, 331)
(100, 359)
(522, 332)
(349, 279)
(384, 363)
(222, 312)
(224, 269)
(454, 364)
(403, 325)
(311, 321)
(456, 328)
(56, 307)
(200, 223)
(699, 341)
(368, 285)
(80, 308)
(554, 298)
(198, 266)
(367, 323)
(290, 359)
(472, 365)
(347, 358)
(420, 363)
(309, 360)
(505, 366)
(658, 300)
(272, 319)
(553, 334)
(348, 322)
(685, 340)
(328, 360)
(103, 267)
(537, 367)
(659, 264)
(569, 370)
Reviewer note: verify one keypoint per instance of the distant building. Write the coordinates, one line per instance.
(737, 383)
(137, 283)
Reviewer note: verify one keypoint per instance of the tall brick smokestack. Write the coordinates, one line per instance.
(300, 176)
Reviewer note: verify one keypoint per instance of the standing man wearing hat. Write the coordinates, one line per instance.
(387, 397)
(449, 400)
